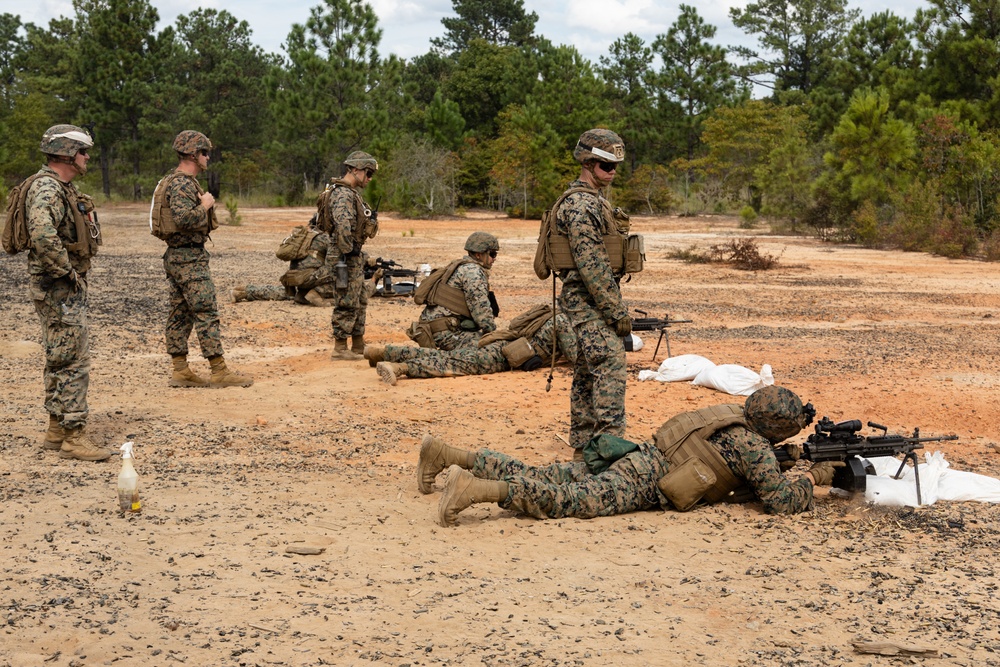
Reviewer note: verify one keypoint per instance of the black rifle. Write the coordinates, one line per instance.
(390, 270)
(840, 442)
(656, 324)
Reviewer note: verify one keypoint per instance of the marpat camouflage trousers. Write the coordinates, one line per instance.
(63, 316)
(267, 293)
(570, 490)
(597, 398)
(192, 302)
(422, 362)
(351, 304)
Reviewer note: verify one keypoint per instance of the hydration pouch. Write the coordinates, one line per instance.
(518, 352)
(686, 483)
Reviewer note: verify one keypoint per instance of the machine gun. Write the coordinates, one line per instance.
(646, 323)
(390, 269)
(840, 441)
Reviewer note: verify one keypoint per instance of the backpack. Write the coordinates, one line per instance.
(545, 259)
(530, 321)
(15, 237)
(296, 245)
(434, 290)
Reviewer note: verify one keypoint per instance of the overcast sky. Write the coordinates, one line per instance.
(408, 25)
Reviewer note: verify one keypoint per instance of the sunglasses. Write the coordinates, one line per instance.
(493, 254)
(608, 166)
(203, 152)
(369, 173)
(83, 151)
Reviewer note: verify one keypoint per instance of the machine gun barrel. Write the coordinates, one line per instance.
(656, 324)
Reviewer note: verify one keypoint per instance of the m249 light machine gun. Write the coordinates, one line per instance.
(839, 441)
(390, 269)
(646, 323)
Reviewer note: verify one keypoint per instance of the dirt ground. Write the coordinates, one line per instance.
(320, 453)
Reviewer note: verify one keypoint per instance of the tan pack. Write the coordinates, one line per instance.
(626, 252)
(434, 290)
(16, 238)
(161, 219)
(686, 483)
(296, 245)
(518, 351)
(530, 321)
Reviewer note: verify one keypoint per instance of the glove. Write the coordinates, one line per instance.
(623, 327)
(794, 452)
(372, 262)
(822, 472)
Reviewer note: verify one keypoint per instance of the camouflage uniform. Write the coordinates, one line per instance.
(422, 362)
(303, 275)
(346, 238)
(192, 292)
(61, 310)
(474, 280)
(570, 490)
(593, 302)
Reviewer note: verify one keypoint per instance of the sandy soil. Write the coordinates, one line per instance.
(320, 453)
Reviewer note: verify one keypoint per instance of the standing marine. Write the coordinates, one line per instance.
(590, 296)
(459, 307)
(63, 234)
(183, 215)
(344, 215)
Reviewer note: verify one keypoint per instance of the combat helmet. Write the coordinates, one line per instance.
(361, 160)
(189, 142)
(776, 413)
(481, 242)
(65, 140)
(599, 144)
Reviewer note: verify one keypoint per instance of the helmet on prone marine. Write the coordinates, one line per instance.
(599, 145)
(777, 413)
(189, 142)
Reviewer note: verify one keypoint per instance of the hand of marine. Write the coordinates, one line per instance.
(623, 327)
(822, 472)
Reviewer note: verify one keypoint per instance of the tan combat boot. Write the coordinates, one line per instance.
(340, 351)
(462, 489)
(358, 345)
(314, 298)
(435, 456)
(78, 445)
(374, 354)
(55, 435)
(238, 294)
(183, 376)
(390, 372)
(223, 377)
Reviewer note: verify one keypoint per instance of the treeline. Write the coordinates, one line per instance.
(881, 130)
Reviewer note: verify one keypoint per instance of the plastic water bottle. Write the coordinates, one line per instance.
(340, 274)
(128, 483)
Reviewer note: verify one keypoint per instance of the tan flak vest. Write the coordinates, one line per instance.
(161, 220)
(686, 435)
(87, 229)
(364, 227)
(626, 252)
(434, 290)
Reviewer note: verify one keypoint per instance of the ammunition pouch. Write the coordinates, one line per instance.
(686, 483)
(518, 352)
(422, 333)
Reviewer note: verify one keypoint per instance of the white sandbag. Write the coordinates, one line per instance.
(637, 343)
(882, 489)
(676, 369)
(733, 379)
